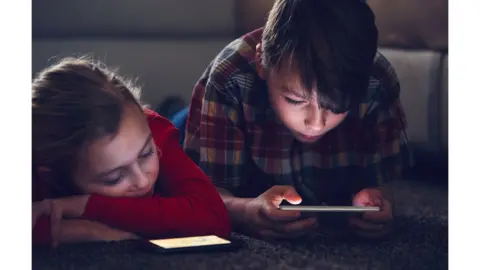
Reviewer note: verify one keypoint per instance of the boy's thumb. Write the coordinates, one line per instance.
(291, 195)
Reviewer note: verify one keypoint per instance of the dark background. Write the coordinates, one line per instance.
(166, 45)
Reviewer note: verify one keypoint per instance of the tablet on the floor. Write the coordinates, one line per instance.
(323, 208)
(196, 243)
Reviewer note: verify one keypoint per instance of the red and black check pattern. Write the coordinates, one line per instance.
(234, 136)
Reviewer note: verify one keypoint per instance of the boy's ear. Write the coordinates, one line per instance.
(258, 62)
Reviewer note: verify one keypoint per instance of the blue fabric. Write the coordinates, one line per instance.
(179, 119)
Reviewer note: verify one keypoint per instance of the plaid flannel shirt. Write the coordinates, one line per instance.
(234, 136)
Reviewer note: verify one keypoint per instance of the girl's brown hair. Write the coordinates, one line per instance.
(74, 102)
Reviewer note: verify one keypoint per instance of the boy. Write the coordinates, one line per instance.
(303, 110)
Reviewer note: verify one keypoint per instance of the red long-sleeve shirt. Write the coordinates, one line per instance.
(189, 204)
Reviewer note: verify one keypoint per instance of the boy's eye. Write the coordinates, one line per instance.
(294, 102)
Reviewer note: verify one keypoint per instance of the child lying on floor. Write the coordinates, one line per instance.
(305, 110)
(107, 169)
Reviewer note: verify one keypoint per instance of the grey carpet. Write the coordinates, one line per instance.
(419, 241)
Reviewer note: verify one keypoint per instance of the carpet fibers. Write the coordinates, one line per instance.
(419, 241)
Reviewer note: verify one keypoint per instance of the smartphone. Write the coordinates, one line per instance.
(322, 208)
(192, 244)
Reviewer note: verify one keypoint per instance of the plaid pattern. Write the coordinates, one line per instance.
(234, 136)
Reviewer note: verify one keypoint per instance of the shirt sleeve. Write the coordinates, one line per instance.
(41, 234)
(214, 137)
(386, 154)
(191, 206)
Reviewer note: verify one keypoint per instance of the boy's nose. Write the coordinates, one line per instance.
(315, 121)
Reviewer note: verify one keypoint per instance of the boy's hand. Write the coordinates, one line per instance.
(264, 218)
(372, 224)
(74, 231)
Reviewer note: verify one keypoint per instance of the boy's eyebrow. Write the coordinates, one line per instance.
(293, 92)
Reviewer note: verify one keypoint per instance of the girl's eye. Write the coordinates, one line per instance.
(294, 102)
(114, 181)
(147, 154)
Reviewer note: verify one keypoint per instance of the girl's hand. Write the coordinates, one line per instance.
(39, 209)
(57, 209)
(372, 224)
(75, 231)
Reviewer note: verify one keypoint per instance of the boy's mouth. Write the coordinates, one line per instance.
(308, 138)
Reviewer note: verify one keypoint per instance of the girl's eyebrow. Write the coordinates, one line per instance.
(102, 174)
(149, 138)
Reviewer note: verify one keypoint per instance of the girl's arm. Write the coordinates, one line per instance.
(193, 206)
(41, 234)
(77, 230)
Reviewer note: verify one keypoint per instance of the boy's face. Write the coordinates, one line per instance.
(300, 113)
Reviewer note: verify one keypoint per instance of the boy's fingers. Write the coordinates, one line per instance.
(382, 216)
(296, 227)
(367, 197)
(277, 194)
(292, 196)
(273, 214)
(377, 217)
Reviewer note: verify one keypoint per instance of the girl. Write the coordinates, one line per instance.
(107, 169)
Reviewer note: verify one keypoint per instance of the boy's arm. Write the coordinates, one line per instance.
(215, 141)
(389, 154)
(386, 154)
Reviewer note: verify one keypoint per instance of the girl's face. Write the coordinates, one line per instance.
(123, 165)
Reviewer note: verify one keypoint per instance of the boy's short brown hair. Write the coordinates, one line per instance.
(331, 43)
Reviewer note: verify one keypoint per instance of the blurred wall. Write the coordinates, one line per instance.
(166, 44)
